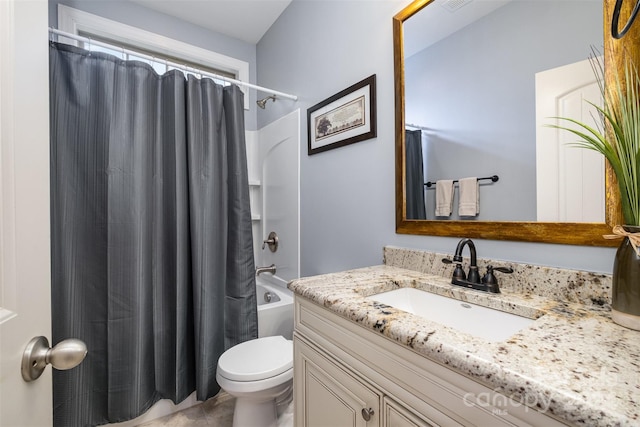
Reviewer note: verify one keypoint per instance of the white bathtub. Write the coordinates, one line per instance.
(275, 307)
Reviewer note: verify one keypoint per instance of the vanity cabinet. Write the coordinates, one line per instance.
(333, 396)
(346, 375)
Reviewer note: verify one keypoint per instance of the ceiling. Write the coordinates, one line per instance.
(249, 20)
(246, 20)
(443, 18)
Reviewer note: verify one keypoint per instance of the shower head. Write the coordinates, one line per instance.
(263, 102)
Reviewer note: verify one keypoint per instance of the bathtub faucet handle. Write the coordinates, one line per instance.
(272, 241)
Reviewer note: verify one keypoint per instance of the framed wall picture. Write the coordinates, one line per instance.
(348, 116)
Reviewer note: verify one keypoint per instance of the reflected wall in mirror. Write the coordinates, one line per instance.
(474, 94)
(470, 93)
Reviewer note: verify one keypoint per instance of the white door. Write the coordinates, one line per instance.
(24, 213)
(569, 180)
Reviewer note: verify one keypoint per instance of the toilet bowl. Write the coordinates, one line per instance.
(259, 374)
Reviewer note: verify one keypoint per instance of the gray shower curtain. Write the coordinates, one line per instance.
(152, 253)
(415, 176)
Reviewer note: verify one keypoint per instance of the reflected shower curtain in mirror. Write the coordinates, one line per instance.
(152, 253)
(415, 176)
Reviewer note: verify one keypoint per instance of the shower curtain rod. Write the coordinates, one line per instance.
(173, 64)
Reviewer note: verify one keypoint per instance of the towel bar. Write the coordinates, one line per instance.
(493, 178)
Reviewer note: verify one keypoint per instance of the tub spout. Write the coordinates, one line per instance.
(271, 269)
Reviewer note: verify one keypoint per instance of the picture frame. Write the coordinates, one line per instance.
(347, 117)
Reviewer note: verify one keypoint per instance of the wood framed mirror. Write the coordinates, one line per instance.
(574, 233)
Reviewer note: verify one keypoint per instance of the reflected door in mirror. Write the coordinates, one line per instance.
(570, 178)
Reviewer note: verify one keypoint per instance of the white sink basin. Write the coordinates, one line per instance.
(492, 325)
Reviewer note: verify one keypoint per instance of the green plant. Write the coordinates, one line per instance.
(621, 145)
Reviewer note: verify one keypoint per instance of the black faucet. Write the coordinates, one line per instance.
(473, 276)
(488, 283)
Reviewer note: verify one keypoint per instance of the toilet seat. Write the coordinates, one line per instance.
(257, 359)
(248, 389)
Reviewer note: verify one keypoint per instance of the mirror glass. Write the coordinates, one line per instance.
(471, 95)
(473, 71)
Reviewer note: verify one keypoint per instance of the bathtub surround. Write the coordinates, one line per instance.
(573, 362)
(274, 167)
(151, 233)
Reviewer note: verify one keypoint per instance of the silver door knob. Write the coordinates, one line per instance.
(367, 413)
(37, 355)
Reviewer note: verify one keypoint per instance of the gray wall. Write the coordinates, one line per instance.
(138, 16)
(315, 49)
(479, 104)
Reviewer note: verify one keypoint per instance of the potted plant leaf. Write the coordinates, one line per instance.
(619, 141)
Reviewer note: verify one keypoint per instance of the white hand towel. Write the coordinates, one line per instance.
(444, 197)
(469, 199)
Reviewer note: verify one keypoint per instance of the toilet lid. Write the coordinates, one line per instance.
(257, 359)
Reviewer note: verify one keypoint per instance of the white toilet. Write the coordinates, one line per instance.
(258, 373)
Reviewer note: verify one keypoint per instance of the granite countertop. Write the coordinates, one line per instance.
(573, 361)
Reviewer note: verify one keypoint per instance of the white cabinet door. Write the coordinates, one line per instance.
(395, 415)
(24, 214)
(328, 396)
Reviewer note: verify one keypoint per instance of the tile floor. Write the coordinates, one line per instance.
(215, 412)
